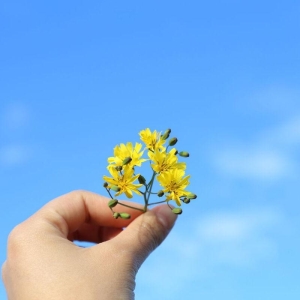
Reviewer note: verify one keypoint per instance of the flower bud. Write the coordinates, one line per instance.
(184, 154)
(112, 203)
(119, 168)
(116, 215)
(127, 160)
(142, 179)
(166, 134)
(186, 200)
(173, 141)
(105, 184)
(160, 193)
(115, 188)
(191, 196)
(125, 216)
(177, 211)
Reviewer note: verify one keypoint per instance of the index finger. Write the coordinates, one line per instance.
(68, 212)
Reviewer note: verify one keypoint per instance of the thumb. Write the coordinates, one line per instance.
(145, 234)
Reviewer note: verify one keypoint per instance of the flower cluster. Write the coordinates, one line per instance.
(166, 169)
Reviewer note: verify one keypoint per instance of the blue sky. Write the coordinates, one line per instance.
(78, 77)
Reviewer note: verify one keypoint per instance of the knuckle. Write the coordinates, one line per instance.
(16, 234)
(16, 240)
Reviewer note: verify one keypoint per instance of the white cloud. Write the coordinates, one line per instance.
(16, 116)
(12, 155)
(239, 238)
(285, 135)
(274, 152)
(271, 155)
(276, 99)
(256, 163)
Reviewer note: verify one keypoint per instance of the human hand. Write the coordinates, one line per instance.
(44, 263)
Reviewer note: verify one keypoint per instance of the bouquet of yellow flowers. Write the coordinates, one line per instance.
(165, 168)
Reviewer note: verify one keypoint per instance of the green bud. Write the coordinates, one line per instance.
(127, 160)
(112, 203)
(166, 134)
(191, 196)
(184, 154)
(177, 211)
(105, 184)
(119, 168)
(186, 200)
(116, 215)
(142, 179)
(173, 141)
(115, 188)
(160, 193)
(125, 216)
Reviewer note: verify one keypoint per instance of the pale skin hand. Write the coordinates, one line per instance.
(43, 262)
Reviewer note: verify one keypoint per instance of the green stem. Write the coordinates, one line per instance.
(153, 203)
(140, 209)
(109, 193)
(145, 200)
(151, 185)
(148, 191)
(169, 205)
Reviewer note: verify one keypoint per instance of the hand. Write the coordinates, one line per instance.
(43, 262)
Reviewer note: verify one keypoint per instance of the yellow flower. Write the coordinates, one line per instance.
(174, 183)
(124, 181)
(152, 140)
(163, 161)
(123, 151)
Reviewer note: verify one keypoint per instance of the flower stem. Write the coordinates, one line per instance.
(153, 203)
(140, 209)
(109, 193)
(148, 191)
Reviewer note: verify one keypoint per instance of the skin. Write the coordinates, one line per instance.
(44, 263)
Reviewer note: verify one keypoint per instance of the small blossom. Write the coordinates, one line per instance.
(163, 161)
(123, 153)
(174, 183)
(124, 181)
(152, 140)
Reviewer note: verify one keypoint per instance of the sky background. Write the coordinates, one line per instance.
(79, 77)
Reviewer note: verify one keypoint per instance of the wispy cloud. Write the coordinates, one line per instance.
(240, 238)
(256, 163)
(15, 116)
(285, 135)
(12, 155)
(271, 155)
(14, 119)
(275, 99)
